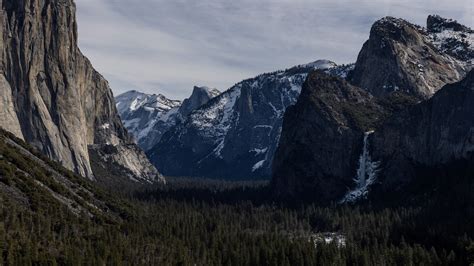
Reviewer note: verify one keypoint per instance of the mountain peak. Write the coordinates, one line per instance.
(212, 92)
(199, 97)
(321, 64)
(394, 29)
(400, 56)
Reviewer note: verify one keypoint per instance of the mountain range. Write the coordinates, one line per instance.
(390, 138)
(236, 134)
(147, 117)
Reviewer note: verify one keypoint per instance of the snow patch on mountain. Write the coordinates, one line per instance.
(258, 165)
(451, 38)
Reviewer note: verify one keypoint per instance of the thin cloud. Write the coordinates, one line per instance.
(167, 46)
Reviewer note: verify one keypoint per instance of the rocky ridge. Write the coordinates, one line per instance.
(147, 117)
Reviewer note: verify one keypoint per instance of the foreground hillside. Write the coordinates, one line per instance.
(50, 216)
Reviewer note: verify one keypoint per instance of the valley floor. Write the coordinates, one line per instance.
(231, 223)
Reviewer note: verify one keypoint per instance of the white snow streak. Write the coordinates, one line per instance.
(366, 174)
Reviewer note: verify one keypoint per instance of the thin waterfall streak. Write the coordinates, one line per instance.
(366, 173)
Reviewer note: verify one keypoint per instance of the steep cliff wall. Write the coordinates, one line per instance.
(63, 106)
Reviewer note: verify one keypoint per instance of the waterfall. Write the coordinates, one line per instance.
(366, 173)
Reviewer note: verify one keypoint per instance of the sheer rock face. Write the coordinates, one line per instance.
(199, 97)
(322, 139)
(400, 56)
(62, 105)
(413, 145)
(431, 134)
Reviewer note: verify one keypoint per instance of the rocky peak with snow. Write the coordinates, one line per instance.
(235, 135)
(400, 56)
(437, 24)
(321, 64)
(148, 116)
(452, 38)
(199, 97)
(133, 100)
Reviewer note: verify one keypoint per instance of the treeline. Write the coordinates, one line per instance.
(176, 232)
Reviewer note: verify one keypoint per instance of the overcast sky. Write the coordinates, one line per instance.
(167, 46)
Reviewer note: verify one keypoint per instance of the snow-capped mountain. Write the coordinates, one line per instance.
(235, 135)
(148, 116)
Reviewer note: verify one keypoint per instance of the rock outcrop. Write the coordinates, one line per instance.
(62, 105)
(322, 139)
(199, 97)
(400, 56)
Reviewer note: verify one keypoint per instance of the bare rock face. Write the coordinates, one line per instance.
(63, 106)
(322, 139)
(199, 97)
(400, 56)
(8, 117)
(430, 135)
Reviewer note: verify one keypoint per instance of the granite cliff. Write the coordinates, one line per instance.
(54, 99)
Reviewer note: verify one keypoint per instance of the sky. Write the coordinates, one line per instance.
(169, 46)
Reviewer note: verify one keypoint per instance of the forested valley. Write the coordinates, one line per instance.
(51, 216)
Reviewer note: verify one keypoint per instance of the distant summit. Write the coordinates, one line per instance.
(148, 116)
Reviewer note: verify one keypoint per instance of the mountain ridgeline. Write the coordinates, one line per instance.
(147, 117)
(400, 127)
(52, 97)
(234, 135)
